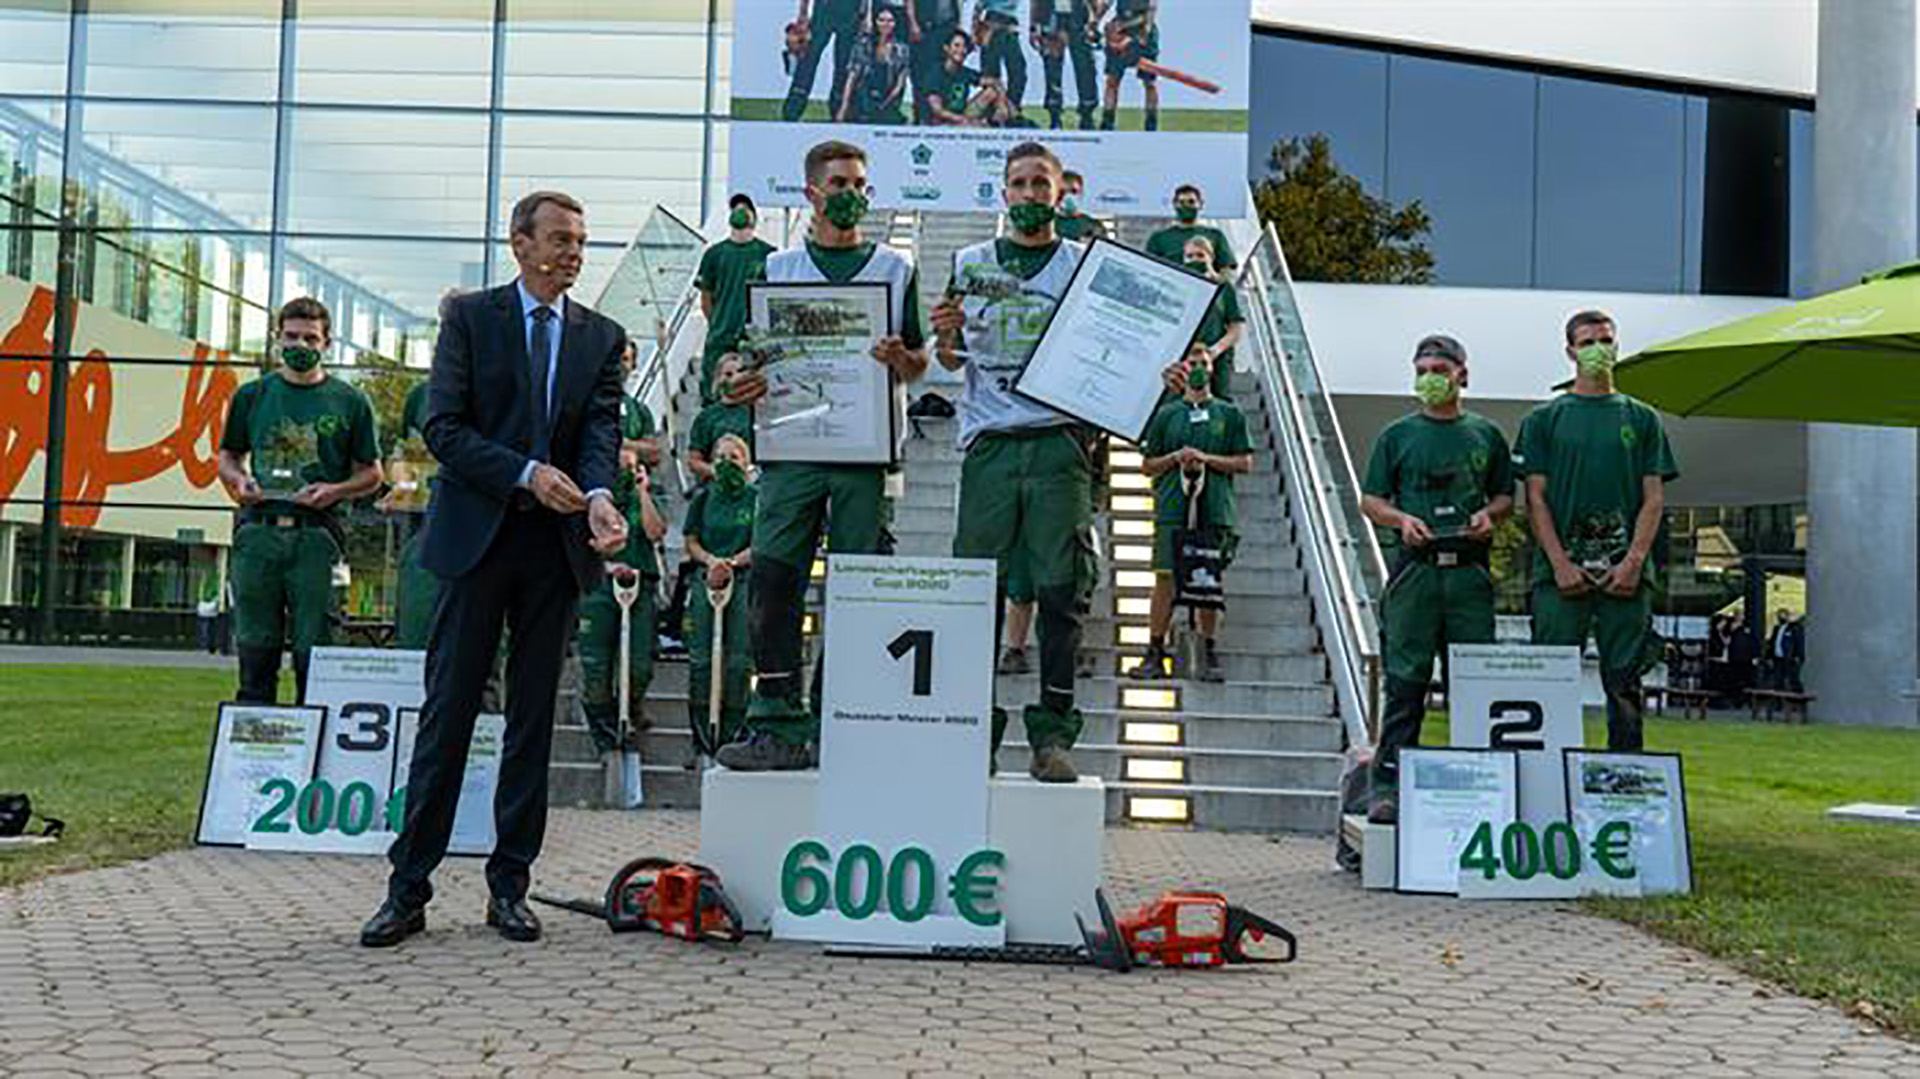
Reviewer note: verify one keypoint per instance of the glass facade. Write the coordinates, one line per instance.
(1538, 178)
(197, 164)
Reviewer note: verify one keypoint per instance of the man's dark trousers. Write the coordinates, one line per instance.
(523, 581)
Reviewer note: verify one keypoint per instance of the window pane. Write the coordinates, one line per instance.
(601, 262)
(620, 169)
(1612, 187)
(195, 166)
(33, 46)
(1800, 201)
(1462, 143)
(1308, 88)
(204, 288)
(30, 134)
(229, 50)
(607, 55)
(383, 52)
(388, 173)
(384, 295)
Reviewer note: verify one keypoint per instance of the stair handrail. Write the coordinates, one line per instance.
(1341, 588)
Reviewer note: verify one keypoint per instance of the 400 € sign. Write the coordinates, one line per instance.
(811, 881)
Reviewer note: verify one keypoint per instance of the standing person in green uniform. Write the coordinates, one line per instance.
(799, 501)
(724, 416)
(1220, 330)
(1133, 36)
(598, 637)
(1170, 243)
(1027, 476)
(297, 443)
(1074, 223)
(1200, 438)
(1059, 29)
(726, 268)
(1597, 464)
(1440, 479)
(418, 588)
(821, 21)
(639, 434)
(996, 25)
(719, 531)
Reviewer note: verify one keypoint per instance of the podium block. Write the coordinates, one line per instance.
(1053, 837)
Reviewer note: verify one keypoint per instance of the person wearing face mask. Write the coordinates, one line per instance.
(1220, 330)
(297, 443)
(1597, 464)
(1073, 221)
(719, 532)
(799, 501)
(597, 640)
(1439, 480)
(1197, 439)
(725, 270)
(1170, 243)
(724, 417)
(1027, 477)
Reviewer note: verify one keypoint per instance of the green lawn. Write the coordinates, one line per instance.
(1129, 117)
(1829, 910)
(119, 753)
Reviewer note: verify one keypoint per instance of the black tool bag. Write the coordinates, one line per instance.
(16, 810)
(1199, 558)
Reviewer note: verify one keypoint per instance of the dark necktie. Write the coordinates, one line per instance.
(542, 350)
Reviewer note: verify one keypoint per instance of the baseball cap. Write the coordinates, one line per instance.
(1443, 346)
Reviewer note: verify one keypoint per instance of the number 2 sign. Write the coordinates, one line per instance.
(1524, 698)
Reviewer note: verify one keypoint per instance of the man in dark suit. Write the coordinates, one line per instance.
(523, 414)
(1786, 651)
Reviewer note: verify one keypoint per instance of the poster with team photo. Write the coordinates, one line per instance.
(1137, 95)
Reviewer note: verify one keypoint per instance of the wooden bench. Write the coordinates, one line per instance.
(1779, 703)
(1689, 701)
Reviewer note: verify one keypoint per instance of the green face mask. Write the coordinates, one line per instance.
(1199, 266)
(844, 209)
(1030, 217)
(740, 218)
(299, 358)
(1199, 377)
(1434, 390)
(729, 475)
(1187, 214)
(1597, 359)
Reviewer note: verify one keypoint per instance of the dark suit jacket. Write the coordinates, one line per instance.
(480, 423)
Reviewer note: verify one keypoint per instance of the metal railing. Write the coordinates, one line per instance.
(1346, 571)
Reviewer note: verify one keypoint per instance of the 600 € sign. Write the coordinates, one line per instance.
(861, 879)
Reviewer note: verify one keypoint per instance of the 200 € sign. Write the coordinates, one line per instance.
(811, 882)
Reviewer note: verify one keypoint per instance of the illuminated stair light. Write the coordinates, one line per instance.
(1133, 578)
(1132, 503)
(1132, 552)
(1130, 481)
(1147, 699)
(1133, 635)
(1132, 606)
(1159, 809)
(1152, 732)
(1124, 461)
(1156, 769)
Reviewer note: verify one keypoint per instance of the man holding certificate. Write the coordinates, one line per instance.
(824, 428)
(1026, 483)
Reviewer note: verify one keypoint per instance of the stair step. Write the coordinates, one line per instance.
(1283, 769)
(1238, 809)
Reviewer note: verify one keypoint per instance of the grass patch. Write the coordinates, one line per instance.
(120, 753)
(1127, 118)
(1829, 910)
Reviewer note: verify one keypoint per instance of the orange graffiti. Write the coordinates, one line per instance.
(92, 467)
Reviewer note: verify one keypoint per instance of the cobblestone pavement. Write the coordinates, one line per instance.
(209, 962)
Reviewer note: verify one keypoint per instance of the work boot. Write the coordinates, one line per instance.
(1106, 119)
(1385, 809)
(1153, 665)
(1052, 764)
(1087, 122)
(1153, 121)
(1015, 661)
(1085, 664)
(1209, 664)
(761, 752)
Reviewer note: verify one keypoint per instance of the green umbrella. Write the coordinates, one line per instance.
(1851, 356)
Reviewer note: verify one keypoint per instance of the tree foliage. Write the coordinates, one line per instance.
(1331, 229)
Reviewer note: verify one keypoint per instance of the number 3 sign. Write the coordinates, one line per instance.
(1524, 698)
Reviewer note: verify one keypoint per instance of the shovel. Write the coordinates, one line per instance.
(621, 770)
(717, 598)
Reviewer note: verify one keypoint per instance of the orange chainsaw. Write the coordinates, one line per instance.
(1180, 930)
(659, 895)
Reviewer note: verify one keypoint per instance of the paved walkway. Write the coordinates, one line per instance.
(110, 657)
(216, 962)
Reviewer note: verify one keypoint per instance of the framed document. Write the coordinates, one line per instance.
(1648, 792)
(1445, 796)
(1125, 317)
(827, 401)
(254, 745)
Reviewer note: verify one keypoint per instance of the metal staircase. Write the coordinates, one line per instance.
(1259, 751)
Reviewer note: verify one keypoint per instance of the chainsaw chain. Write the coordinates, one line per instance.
(1030, 954)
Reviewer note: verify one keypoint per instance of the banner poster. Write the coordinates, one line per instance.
(1138, 97)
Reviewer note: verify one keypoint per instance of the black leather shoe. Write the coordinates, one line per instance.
(514, 919)
(391, 924)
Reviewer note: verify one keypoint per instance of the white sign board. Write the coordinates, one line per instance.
(906, 725)
(1446, 795)
(1524, 698)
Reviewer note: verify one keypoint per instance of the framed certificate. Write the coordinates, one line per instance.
(1646, 791)
(1125, 317)
(254, 746)
(827, 401)
(1445, 796)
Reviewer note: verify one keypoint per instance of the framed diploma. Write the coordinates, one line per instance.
(827, 401)
(1125, 317)
(1632, 808)
(258, 752)
(1445, 796)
